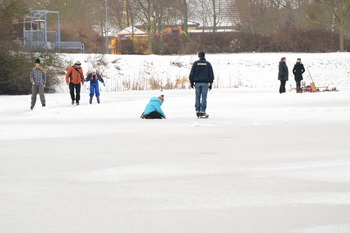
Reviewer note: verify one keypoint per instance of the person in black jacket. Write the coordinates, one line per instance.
(201, 78)
(283, 74)
(298, 71)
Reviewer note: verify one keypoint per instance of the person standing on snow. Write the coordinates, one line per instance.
(153, 109)
(298, 71)
(94, 77)
(201, 78)
(283, 74)
(74, 78)
(38, 81)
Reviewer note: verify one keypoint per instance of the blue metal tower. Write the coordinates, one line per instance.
(36, 34)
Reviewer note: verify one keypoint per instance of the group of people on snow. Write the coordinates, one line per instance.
(201, 78)
(75, 77)
(283, 74)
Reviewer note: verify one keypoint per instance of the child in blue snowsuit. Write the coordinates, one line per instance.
(94, 89)
(153, 109)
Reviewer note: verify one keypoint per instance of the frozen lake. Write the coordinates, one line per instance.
(263, 162)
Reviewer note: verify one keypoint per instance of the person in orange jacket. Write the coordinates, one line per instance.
(74, 78)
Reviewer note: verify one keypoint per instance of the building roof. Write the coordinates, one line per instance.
(130, 30)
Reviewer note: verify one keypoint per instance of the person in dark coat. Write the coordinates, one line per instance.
(201, 78)
(283, 74)
(298, 71)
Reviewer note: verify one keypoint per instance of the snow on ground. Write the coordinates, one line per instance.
(259, 70)
(263, 162)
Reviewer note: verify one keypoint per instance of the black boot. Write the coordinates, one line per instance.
(203, 115)
(299, 89)
(90, 101)
(98, 100)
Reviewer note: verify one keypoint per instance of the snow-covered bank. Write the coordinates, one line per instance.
(251, 70)
(263, 162)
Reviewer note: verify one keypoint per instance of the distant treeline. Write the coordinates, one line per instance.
(287, 40)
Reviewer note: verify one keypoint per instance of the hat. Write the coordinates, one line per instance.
(77, 63)
(201, 54)
(37, 60)
(161, 98)
(93, 71)
(299, 59)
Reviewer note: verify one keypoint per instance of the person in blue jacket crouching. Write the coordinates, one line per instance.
(153, 109)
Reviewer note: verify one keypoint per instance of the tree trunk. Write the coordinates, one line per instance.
(185, 28)
(342, 38)
(214, 16)
(149, 27)
(150, 44)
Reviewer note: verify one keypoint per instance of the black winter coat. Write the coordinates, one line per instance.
(202, 72)
(298, 71)
(283, 71)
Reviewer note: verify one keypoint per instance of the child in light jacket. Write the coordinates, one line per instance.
(153, 109)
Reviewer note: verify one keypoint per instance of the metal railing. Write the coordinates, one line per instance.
(71, 45)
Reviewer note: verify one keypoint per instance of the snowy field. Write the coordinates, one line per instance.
(262, 163)
(244, 70)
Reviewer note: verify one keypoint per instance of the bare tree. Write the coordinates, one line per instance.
(341, 13)
(185, 7)
(153, 14)
(211, 13)
(331, 14)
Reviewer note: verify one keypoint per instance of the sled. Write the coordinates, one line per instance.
(313, 88)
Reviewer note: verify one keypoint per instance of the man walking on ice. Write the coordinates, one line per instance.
(38, 80)
(74, 78)
(201, 78)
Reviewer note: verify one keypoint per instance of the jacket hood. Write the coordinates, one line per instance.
(44, 70)
(156, 100)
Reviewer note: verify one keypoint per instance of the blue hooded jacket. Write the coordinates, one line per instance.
(154, 106)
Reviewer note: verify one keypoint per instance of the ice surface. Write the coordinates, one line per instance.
(263, 162)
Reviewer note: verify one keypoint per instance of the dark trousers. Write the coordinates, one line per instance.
(283, 86)
(154, 115)
(75, 87)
